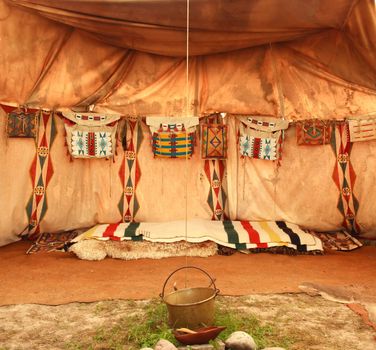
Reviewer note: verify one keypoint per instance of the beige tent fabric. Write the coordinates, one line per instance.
(316, 61)
(16, 158)
(87, 192)
(216, 25)
(364, 162)
(324, 75)
(301, 190)
(361, 30)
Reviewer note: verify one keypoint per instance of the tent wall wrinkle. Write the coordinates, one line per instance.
(15, 183)
(334, 53)
(25, 49)
(313, 71)
(328, 73)
(81, 73)
(110, 85)
(216, 25)
(49, 60)
(361, 29)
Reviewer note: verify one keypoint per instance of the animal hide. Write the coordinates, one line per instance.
(130, 250)
(90, 135)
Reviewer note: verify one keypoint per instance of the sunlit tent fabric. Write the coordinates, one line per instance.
(298, 60)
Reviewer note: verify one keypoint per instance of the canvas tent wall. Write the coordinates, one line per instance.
(285, 59)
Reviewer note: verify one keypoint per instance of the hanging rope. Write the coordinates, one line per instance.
(282, 107)
(186, 134)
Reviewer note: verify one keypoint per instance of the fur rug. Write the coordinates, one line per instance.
(92, 249)
(222, 250)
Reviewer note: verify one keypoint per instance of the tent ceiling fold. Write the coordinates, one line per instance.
(158, 26)
(322, 56)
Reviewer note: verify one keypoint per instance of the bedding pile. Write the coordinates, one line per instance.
(240, 235)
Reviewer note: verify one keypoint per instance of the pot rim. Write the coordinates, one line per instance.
(215, 293)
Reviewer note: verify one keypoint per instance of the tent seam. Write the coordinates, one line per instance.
(349, 12)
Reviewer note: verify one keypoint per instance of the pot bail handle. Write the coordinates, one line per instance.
(212, 280)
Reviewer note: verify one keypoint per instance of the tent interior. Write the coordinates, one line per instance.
(292, 61)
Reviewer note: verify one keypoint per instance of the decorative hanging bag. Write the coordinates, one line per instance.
(213, 138)
(362, 130)
(90, 135)
(22, 121)
(172, 137)
(313, 132)
(261, 137)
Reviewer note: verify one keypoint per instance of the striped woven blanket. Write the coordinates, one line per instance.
(234, 234)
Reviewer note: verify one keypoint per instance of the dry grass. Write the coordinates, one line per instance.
(293, 321)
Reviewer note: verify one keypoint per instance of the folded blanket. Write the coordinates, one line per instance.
(234, 234)
(340, 240)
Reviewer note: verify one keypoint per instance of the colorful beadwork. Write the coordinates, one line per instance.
(89, 118)
(261, 137)
(90, 135)
(267, 124)
(257, 147)
(213, 141)
(172, 137)
(313, 133)
(173, 144)
(362, 130)
(21, 122)
(91, 144)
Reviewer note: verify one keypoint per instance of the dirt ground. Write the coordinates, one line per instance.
(311, 323)
(58, 278)
(56, 301)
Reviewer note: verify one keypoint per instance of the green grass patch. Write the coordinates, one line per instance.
(265, 335)
(153, 326)
(146, 328)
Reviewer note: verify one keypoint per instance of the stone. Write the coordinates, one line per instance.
(275, 348)
(240, 341)
(164, 344)
(220, 346)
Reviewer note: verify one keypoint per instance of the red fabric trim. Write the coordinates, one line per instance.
(8, 109)
(109, 232)
(66, 120)
(252, 233)
(91, 143)
(33, 170)
(256, 147)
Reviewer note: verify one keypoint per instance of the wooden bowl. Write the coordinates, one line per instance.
(202, 335)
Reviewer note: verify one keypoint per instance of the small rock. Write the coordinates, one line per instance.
(219, 346)
(275, 348)
(164, 344)
(240, 341)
